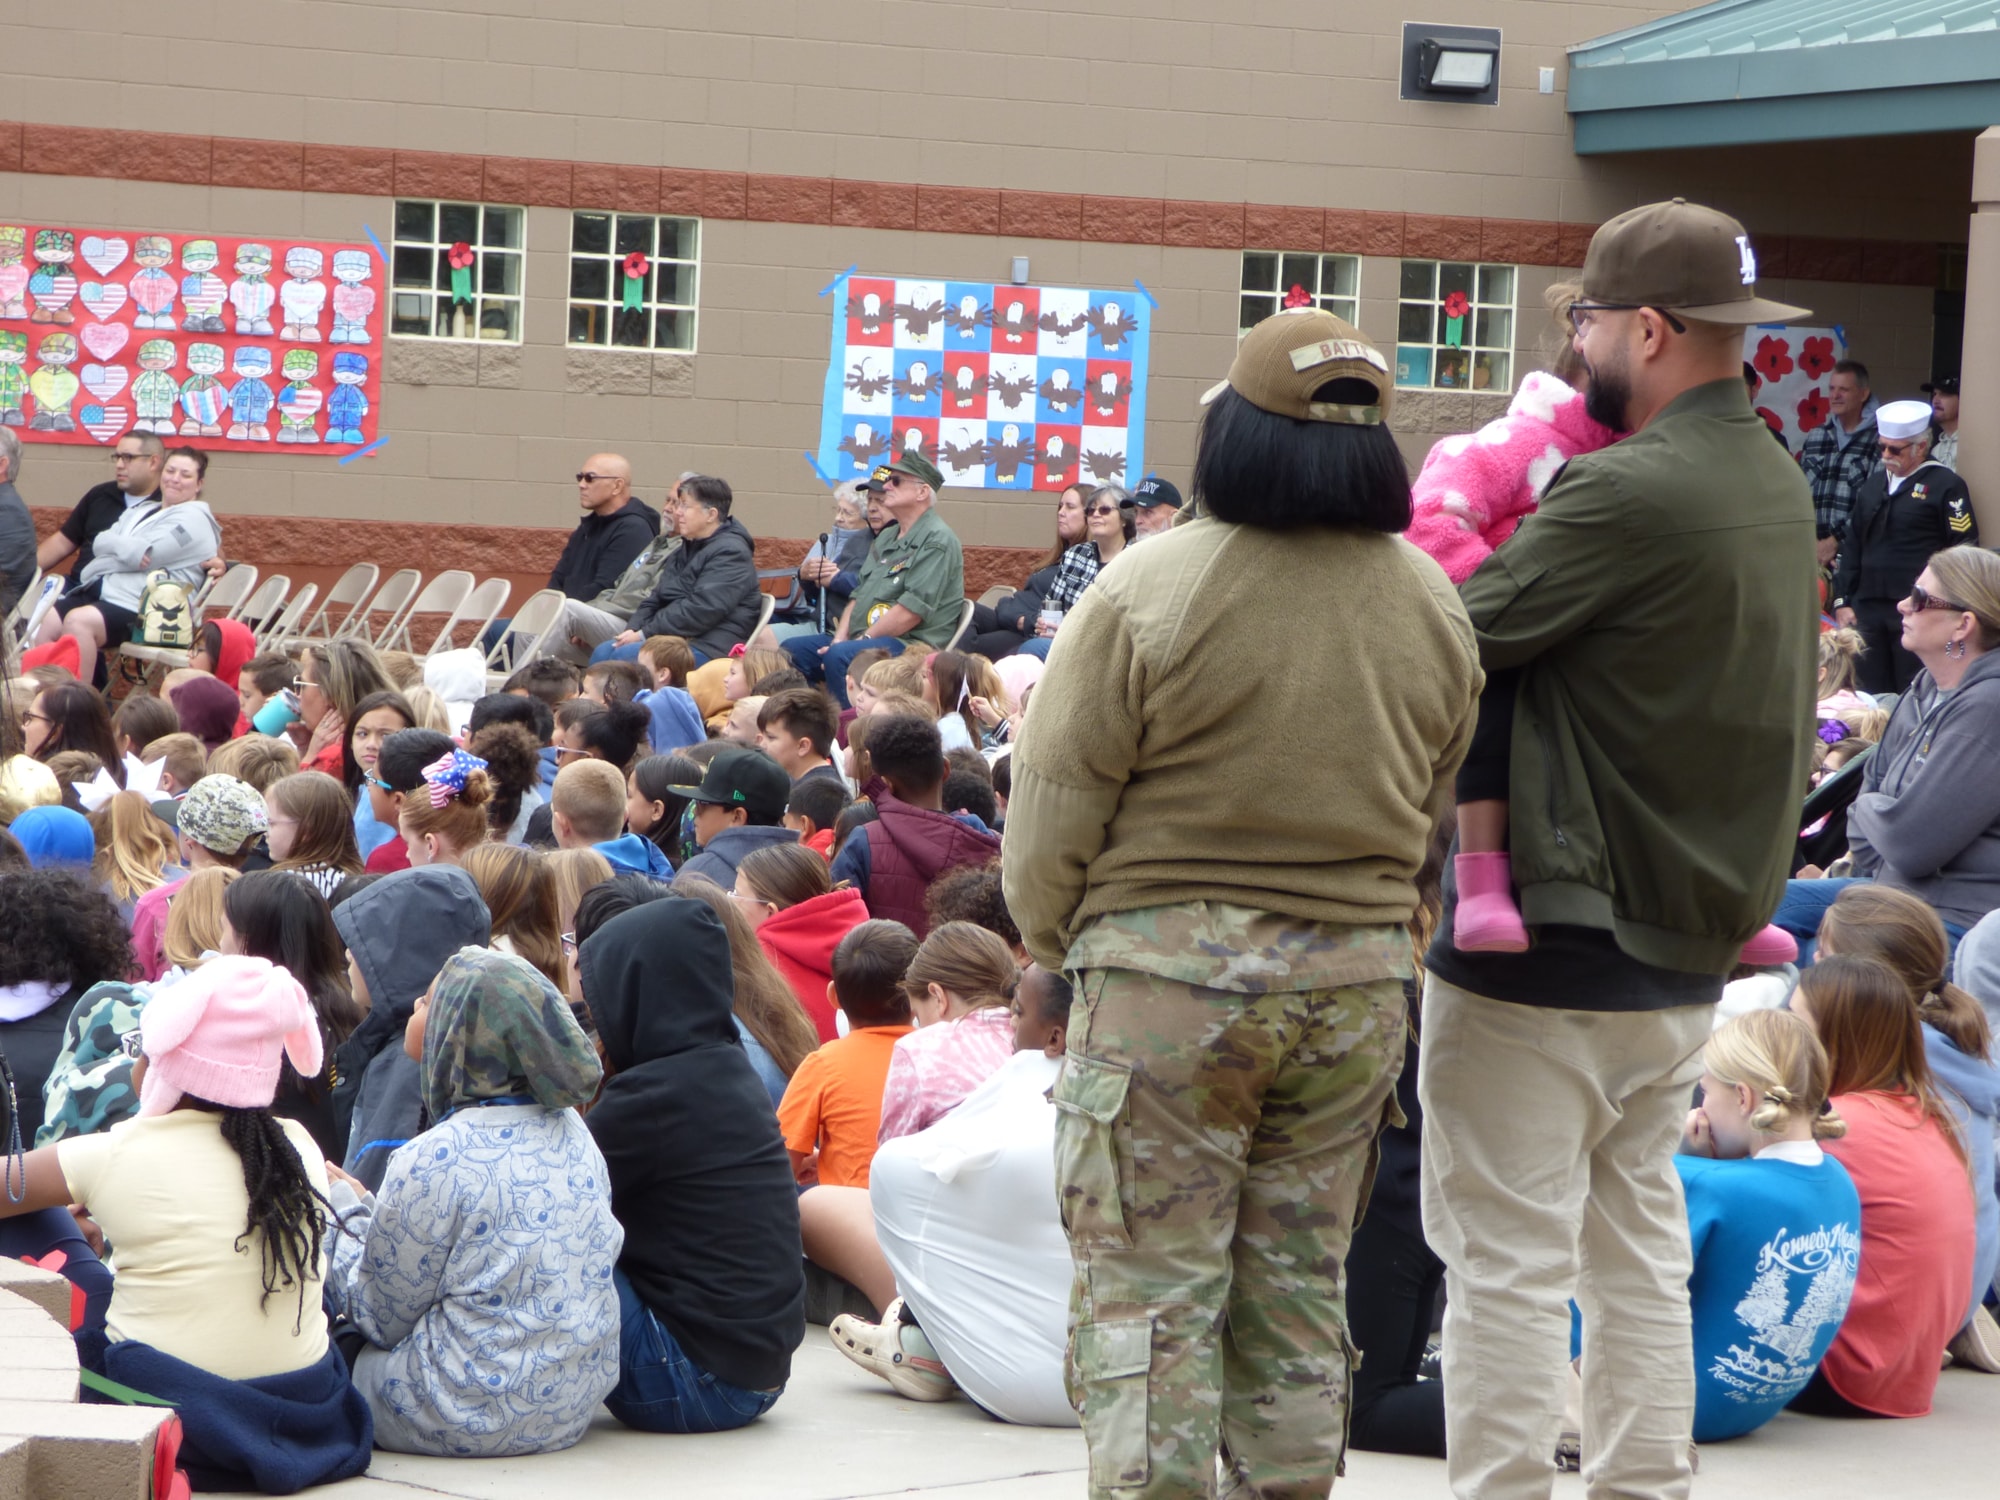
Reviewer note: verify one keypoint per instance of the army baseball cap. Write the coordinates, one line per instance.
(913, 464)
(1291, 354)
(745, 778)
(1681, 258)
(1152, 491)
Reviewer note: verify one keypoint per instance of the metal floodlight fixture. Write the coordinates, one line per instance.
(1451, 64)
(1456, 67)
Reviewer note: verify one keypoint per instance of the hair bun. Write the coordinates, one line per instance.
(478, 789)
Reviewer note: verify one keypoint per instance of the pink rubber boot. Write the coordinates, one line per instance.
(1487, 921)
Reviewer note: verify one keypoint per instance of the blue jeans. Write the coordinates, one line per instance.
(831, 668)
(1803, 907)
(1036, 646)
(661, 1390)
(612, 651)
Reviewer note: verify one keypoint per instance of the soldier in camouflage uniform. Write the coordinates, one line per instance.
(1229, 894)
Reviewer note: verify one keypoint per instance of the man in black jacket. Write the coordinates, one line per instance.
(707, 593)
(1908, 508)
(615, 528)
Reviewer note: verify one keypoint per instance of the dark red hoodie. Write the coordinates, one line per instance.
(800, 940)
(238, 646)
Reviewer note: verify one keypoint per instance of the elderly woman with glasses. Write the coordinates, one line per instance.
(1927, 820)
(832, 564)
(1108, 527)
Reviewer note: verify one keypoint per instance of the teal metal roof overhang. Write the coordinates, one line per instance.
(1742, 72)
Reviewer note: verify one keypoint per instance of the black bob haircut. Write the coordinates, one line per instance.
(1253, 468)
(531, 713)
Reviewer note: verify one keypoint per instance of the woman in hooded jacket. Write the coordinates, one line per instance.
(711, 1284)
(479, 1274)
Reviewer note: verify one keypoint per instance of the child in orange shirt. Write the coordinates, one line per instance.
(832, 1107)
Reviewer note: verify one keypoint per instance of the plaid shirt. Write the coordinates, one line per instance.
(1835, 473)
(1076, 572)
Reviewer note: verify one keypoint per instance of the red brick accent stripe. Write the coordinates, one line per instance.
(376, 172)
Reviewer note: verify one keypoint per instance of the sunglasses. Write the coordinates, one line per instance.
(299, 684)
(1103, 510)
(1924, 599)
(1896, 450)
(1580, 314)
(589, 476)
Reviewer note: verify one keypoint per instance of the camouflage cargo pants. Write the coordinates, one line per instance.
(1212, 1148)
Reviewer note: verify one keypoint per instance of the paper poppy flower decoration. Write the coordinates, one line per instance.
(635, 268)
(460, 257)
(1813, 409)
(635, 264)
(1456, 306)
(1773, 359)
(1298, 296)
(1816, 356)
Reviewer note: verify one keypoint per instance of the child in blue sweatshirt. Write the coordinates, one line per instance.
(1774, 1222)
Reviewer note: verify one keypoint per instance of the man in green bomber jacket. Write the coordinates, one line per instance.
(1660, 608)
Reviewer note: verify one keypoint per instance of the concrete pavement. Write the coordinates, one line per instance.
(839, 1434)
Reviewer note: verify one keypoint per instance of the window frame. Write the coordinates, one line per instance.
(651, 305)
(1434, 349)
(488, 257)
(1345, 305)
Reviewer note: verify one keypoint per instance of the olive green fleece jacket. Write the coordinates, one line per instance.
(1662, 600)
(1271, 719)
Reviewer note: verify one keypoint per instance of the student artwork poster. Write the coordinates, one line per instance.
(1792, 365)
(232, 343)
(1002, 387)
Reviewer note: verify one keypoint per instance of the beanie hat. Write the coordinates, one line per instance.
(222, 813)
(54, 836)
(209, 709)
(221, 1033)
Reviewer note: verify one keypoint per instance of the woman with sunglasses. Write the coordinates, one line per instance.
(1904, 511)
(1108, 526)
(1927, 820)
(333, 679)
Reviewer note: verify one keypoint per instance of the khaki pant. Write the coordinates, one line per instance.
(585, 622)
(1211, 1148)
(1548, 1173)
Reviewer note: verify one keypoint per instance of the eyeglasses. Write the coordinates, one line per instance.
(132, 1044)
(1580, 314)
(753, 900)
(299, 684)
(569, 942)
(562, 750)
(1924, 599)
(378, 781)
(1103, 510)
(35, 718)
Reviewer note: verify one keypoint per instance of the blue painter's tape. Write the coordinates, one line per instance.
(1150, 298)
(364, 452)
(369, 230)
(817, 469)
(1840, 332)
(837, 280)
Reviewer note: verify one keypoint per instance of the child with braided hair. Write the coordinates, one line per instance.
(217, 1208)
(1774, 1221)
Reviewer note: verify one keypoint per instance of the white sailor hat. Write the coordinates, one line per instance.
(1903, 419)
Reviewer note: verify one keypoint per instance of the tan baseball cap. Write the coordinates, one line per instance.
(1683, 258)
(1291, 354)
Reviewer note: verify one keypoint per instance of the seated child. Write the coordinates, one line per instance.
(399, 931)
(588, 812)
(833, 1106)
(223, 1321)
(813, 808)
(1774, 1222)
(1903, 1150)
(960, 986)
(966, 1220)
(711, 1287)
(479, 1277)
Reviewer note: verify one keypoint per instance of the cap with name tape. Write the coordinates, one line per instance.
(1282, 362)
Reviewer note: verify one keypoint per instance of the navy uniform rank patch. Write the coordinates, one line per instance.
(1958, 513)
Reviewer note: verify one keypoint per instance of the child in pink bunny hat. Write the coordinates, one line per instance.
(222, 1035)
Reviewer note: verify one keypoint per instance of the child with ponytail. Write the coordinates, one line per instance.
(1774, 1222)
(217, 1209)
(1904, 1152)
(446, 816)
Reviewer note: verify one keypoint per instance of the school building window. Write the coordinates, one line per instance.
(632, 280)
(1274, 279)
(1455, 326)
(455, 272)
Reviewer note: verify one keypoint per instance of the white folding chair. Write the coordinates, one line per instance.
(19, 613)
(265, 603)
(392, 601)
(964, 626)
(764, 612)
(533, 626)
(443, 595)
(480, 608)
(35, 605)
(284, 629)
(349, 592)
(226, 597)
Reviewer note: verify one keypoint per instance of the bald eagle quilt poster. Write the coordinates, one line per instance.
(1002, 387)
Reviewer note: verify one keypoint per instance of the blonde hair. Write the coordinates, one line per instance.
(576, 871)
(257, 759)
(133, 850)
(967, 962)
(519, 890)
(985, 682)
(1775, 1054)
(402, 668)
(427, 709)
(590, 794)
(1559, 340)
(898, 674)
(1869, 724)
(460, 824)
(194, 916)
(1970, 575)
(1839, 652)
(186, 757)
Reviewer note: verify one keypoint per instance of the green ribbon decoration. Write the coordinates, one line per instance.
(1454, 333)
(629, 298)
(461, 284)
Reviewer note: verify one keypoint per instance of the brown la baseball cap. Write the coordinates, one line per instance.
(1291, 354)
(1682, 258)
(913, 464)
